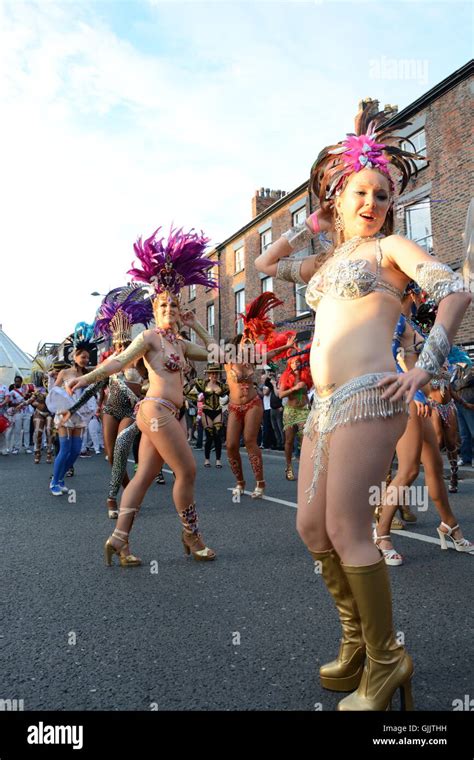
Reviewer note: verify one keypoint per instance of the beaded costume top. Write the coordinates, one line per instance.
(348, 279)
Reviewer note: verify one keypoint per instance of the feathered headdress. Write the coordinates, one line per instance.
(170, 265)
(372, 146)
(288, 377)
(41, 366)
(121, 308)
(83, 335)
(276, 340)
(256, 323)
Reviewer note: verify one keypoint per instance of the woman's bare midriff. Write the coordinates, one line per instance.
(352, 338)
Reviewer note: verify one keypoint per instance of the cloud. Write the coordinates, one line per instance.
(119, 117)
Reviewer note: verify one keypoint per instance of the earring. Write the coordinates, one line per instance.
(338, 223)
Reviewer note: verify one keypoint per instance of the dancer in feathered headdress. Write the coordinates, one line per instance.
(41, 370)
(246, 409)
(295, 382)
(166, 266)
(77, 347)
(357, 290)
(121, 308)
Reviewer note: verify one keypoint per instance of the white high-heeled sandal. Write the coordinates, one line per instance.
(460, 544)
(391, 557)
(258, 492)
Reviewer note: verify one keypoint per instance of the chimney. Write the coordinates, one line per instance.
(264, 198)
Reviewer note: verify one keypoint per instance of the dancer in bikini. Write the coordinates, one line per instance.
(295, 383)
(418, 444)
(245, 405)
(357, 290)
(168, 266)
(121, 308)
(445, 421)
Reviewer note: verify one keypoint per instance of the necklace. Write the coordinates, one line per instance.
(345, 249)
(168, 333)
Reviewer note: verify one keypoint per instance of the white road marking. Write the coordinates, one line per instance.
(402, 533)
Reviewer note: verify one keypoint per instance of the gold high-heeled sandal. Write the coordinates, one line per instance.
(126, 560)
(396, 524)
(259, 490)
(407, 515)
(289, 473)
(239, 489)
(192, 538)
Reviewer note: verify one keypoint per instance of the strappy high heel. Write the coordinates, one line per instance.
(126, 560)
(391, 557)
(289, 473)
(259, 490)
(112, 508)
(37, 458)
(192, 538)
(407, 515)
(396, 523)
(239, 489)
(460, 544)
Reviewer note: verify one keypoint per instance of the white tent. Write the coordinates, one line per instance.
(13, 361)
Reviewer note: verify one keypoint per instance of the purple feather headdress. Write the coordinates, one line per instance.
(170, 265)
(121, 308)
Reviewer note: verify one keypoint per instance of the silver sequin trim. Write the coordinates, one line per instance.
(438, 280)
(358, 399)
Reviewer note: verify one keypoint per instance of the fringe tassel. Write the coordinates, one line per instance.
(358, 399)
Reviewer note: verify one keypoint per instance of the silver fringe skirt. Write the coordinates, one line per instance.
(358, 399)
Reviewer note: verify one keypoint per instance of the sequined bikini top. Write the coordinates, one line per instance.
(173, 362)
(348, 279)
(246, 376)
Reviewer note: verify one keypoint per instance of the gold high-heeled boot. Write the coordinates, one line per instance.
(388, 667)
(343, 673)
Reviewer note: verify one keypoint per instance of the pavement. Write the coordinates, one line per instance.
(246, 632)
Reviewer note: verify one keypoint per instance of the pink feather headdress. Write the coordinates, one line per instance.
(169, 265)
(373, 145)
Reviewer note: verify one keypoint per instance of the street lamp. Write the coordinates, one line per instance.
(95, 293)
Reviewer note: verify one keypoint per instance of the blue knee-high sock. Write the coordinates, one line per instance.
(62, 457)
(75, 450)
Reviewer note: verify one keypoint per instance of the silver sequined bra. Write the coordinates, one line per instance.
(348, 279)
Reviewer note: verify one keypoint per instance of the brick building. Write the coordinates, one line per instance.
(431, 211)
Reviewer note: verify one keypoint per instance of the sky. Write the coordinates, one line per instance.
(121, 116)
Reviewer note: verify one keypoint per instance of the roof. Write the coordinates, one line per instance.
(13, 360)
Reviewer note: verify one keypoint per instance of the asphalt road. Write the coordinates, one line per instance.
(246, 632)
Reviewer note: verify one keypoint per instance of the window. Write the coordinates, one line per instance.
(298, 217)
(210, 319)
(419, 141)
(214, 274)
(418, 224)
(301, 305)
(265, 240)
(239, 308)
(192, 292)
(267, 284)
(239, 259)
(192, 336)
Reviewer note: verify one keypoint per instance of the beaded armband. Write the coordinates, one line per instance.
(298, 235)
(438, 280)
(435, 351)
(290, 270)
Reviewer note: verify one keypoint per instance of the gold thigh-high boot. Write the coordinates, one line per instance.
(344, 673)
(388, 667)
